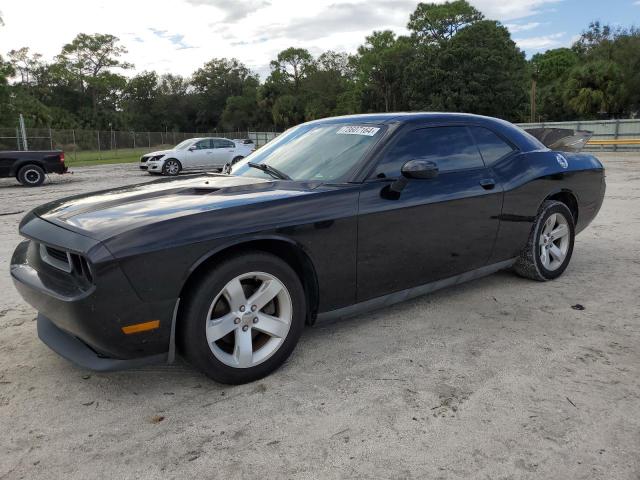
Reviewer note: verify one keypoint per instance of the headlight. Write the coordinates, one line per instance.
(156, 158)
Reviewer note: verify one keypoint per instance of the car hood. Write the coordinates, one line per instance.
(102, 215)
(159, 152)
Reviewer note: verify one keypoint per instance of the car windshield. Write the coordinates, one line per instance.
(185, 144)
(322, 152)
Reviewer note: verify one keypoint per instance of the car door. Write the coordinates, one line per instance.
(224, 151)
(434, 228)
(196, 157)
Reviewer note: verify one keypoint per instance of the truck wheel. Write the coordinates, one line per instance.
(31, 176)
(243, 319)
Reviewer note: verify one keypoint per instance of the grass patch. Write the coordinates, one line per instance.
(105, 157)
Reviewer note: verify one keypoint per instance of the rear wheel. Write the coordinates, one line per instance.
(550, 245)
(171, 167)
(31, 176)
(243, 319)
(236, 159)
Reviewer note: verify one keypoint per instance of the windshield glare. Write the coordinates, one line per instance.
(322, 152)
(183, 145)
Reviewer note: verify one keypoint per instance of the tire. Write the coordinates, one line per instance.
(543, 244)
(171, 167)
(236, 159)
(214, 332)
(31, 175)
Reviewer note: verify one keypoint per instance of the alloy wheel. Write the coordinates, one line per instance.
(172, 167)
(248, 321)
(554, 241)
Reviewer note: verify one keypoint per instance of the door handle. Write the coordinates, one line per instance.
(488, 183)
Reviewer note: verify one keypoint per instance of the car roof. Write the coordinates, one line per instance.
(513, 133)
(395, 117)
(210, 138)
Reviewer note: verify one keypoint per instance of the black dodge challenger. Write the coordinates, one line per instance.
(333, 218)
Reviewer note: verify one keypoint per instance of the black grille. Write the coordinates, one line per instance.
(81, 267)
(72, 263)
(57, 254)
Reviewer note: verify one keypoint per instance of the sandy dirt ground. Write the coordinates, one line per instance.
(499, 378)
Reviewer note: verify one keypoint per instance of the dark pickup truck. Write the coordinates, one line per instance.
(30, 167)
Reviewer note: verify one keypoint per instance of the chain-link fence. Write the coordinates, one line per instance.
(82, 146)
(85, 146)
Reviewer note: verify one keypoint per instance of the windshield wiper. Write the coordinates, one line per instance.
(273, 171)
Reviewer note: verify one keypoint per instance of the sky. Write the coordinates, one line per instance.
(179, 36)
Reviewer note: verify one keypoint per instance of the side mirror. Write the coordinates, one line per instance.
(192, 148)
(419, 169)
(416, 169)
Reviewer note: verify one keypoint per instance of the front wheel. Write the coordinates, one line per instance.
(243, 319)
(171, 167)
(550, 245)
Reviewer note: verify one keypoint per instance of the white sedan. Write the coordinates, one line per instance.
(196, 154)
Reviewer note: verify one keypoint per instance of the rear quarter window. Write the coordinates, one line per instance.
(491, 146)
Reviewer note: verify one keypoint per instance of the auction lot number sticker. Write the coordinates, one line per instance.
(356, 130)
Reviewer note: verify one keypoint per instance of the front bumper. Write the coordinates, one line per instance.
(93, 312)
(79, 353)
(151, 166)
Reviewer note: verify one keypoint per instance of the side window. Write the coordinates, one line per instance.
(203, 144)
(451, 148)
(491, 146)
(223, 144)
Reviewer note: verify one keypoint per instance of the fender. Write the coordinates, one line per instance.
(15, 168)
(560, 191)
(238, 242)
(225, 246)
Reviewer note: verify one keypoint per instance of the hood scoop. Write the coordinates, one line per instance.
(200, 190)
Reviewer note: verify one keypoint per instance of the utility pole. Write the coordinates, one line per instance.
(534, 79)
(24, 133)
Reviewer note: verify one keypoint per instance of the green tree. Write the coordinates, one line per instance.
(89, 60)
(6, 72)
(243, 112)
(25, 64)
(595, 89)
(139, 102)
(605, 83)
(293, 64)
(176, 106)
(214, 83)
(439, 22)
(627, 57)
(381, 66)
(484, 72)
(595, 36)
(240, 113)
(287, 111)
(326, 87)
(551, 70)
